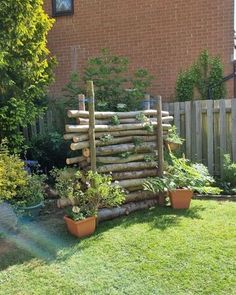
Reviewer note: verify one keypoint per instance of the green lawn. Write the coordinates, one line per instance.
(156, 251)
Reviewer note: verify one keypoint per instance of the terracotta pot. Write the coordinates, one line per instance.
(180, 198)
(172, 145)
(81, 228)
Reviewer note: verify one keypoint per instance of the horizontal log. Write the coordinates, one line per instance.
(126, 166)
(78, 137)
(75, 160)
(134, 174)
(118, 160)
(132, 182)
(111, 128)
(83, 121)
(84, 144)
(139, 196)
(115, 149)
(132, 189)
(121, 115)
(107, 214)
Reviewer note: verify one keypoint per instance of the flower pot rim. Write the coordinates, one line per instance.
(79, 221)
(181, 189)
(32, 207)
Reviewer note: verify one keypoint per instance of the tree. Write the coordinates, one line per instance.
(26, 69)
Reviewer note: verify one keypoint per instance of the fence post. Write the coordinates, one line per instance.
(81, 99)
(91, 106)
(160, 146)
(146, 102)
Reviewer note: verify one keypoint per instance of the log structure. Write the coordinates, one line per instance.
(128, 145)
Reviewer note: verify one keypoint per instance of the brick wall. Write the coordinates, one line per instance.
(163, 36)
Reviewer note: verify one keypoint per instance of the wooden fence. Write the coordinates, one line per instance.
(209, 130)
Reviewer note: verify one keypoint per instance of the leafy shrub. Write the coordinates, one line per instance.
(173, 136)
(185, 85)
(49, 149)
(115, 89)
(33, 193)
(13, 177)
(90, 191)
(228, 180)
(183, 174)
(203, 78)
(25, 66)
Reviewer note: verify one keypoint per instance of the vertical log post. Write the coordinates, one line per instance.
(146, 102)
(81, 99)
(160, 146)
(81, 105)
(91, 107)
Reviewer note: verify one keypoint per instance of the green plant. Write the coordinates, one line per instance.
(204, 78)
(150, 158)
(90, 191)
(25, 66)
(110, 75)
(13, 177)
(142, 118)
(185, 85)
(148, 127)
(183, 174)
(115, 120)
(33, 193)
(125, 155)
(49, 149)
(106, 138)
(173, 136)
(228, 179)
(137, 141)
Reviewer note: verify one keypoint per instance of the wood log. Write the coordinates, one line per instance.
(126, 166)
(131, 182)
(120, 115)
(106, 213)
(84, 144)
(115, 149)
(110, 128)
(132, 189)
(75, 160)
(132, 197)
(134, 174)
(83, 121)
(139, 196)
(118, 160)
(86, 152)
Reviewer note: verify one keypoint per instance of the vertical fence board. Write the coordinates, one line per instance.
(188, 140)
(222, 132)
(198, 125)
(233, 106)
(210, 133)
(177, 116)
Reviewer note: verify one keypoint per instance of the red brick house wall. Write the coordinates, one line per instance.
(163, 36)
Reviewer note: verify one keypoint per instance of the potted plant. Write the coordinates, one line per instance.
(173, 141)
(29, 199)
(181, 180)
(87, 193)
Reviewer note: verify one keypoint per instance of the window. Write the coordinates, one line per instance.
(62, 7)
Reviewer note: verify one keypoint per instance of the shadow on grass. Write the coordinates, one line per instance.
(159, 217)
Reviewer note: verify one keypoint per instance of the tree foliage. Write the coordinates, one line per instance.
(25, 66)
(202, 80)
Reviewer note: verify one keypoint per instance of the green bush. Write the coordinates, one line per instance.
(114, 87)
(49, 149)
(25, 66)
(91, 191)
(183, 174)
(228, 180)
(203, 79)
(13, 177)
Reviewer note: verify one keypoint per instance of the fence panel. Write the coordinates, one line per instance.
(209, 129)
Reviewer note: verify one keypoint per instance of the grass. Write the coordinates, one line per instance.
(158, 251)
